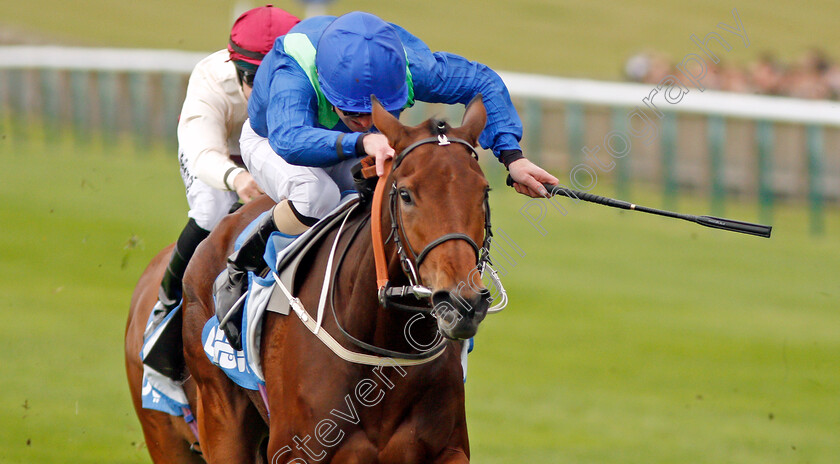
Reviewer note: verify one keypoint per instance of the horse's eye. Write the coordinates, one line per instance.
(405, 196)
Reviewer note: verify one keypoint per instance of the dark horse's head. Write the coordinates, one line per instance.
(438, 202)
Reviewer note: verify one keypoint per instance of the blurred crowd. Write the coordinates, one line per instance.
(812, 75)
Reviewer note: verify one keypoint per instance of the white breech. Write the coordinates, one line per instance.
(207, 205)
(314, 191)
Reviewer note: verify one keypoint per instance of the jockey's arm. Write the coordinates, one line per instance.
(442, 77)
(291, 123)
(204, 127)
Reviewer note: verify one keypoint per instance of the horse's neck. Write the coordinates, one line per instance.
(360, 312)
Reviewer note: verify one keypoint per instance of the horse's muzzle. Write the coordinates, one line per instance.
(458, 316)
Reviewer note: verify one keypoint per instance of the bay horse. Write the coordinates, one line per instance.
(167, 437)
(170, 439)
(323, 408)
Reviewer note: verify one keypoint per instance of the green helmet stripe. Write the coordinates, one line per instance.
(301, 49)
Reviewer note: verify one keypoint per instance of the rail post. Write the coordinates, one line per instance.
(764, 135)
(716, 135)
(814, 138)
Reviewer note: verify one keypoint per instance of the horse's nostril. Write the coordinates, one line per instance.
(444, 300)
(480, 302)
(441, 297)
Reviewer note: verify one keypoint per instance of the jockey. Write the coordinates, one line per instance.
(310, 121)
(209, 126)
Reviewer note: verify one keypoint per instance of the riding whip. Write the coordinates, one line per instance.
(707, 221)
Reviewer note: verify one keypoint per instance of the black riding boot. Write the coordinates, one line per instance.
(163, 351)
(249, 257)
(169, 293)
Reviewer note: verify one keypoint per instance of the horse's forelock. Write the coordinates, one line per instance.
(438, 126)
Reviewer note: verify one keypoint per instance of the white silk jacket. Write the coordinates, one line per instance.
(211, 121)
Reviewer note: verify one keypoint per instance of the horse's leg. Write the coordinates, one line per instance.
(457, 451)
(167, 437)
(230, 427)
(289, 421)
(164, 446)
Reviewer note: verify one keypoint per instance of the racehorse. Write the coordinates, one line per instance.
(401, 398)
(169, 439)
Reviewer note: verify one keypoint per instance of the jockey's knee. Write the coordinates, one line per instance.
(315, 197)
(208, 216)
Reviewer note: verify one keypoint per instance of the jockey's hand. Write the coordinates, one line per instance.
(528, 178)
(377, 146)
(246, 187)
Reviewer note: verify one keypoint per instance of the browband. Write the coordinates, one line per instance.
(440, 140)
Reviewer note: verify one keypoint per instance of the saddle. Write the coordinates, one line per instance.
(282, 260)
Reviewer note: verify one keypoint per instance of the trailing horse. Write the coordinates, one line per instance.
(171, 439)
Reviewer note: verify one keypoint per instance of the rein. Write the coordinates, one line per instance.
(314, 325)
(425, 355)
(410, 264)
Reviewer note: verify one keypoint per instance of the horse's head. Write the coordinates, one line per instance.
(437, 203)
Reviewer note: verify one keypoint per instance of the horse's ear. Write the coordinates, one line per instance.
(387, 124)
(475, 118)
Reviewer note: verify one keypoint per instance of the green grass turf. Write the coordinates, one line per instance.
(560, 37)
(629, 339)
(77, 230)
(634, 338)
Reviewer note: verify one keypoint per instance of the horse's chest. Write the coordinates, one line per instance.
(402, 447)
(388, 433)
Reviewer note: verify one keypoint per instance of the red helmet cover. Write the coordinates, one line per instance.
(253, 33)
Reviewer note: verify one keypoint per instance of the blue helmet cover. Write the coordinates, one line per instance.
(358, 55)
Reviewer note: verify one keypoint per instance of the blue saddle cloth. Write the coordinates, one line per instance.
(239, 366)
(159, 400)
(160, 392)
(163, 394)
(232, 362)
